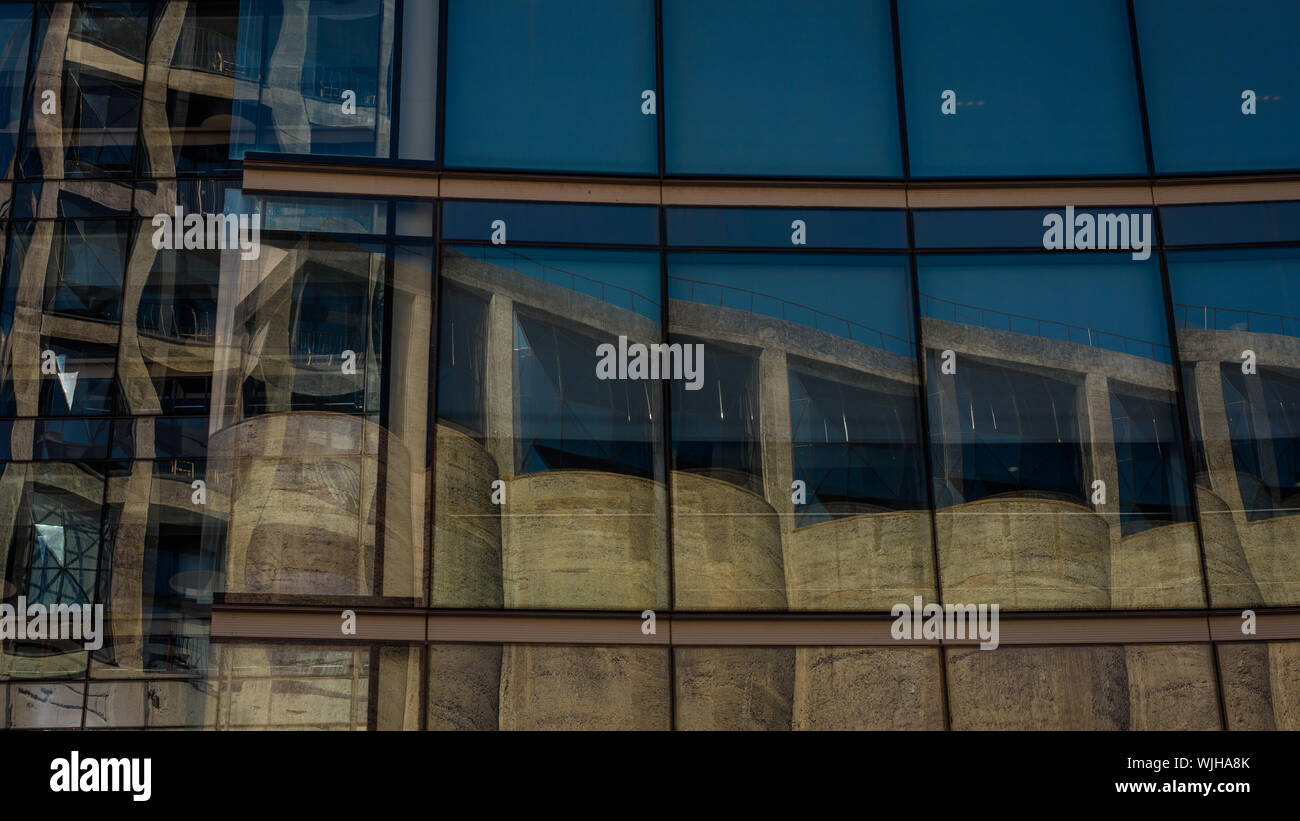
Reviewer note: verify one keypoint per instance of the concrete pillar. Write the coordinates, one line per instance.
(1098, 425)
(1215, 437)
(499, 383)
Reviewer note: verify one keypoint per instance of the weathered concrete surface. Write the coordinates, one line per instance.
(1261, 684)
(1024, 554)
(867, 688)
(1083, 688)
(464, 686)
(1231, 579)
(584, 539)
(1172, 687)
(726, 547)
(867, 562)
(547, 687)
(735, 688)
(1158, 567)
(279, 687)
(467, 526)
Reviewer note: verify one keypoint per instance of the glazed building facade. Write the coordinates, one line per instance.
(365, 471)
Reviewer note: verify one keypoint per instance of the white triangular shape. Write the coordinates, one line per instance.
(68, 381)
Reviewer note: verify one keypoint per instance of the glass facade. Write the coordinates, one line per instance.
(510, 327)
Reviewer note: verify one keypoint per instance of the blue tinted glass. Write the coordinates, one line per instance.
(781, 228)
(314, 77)
(98, 108)
(1252, 291)
(773, 89)
(863, 299)
(628, 280)
(1198, 60)
(15, 38)
(512, 222)
(1231, 223)
(1039, 89)
(1028, 227)
(1106, 301)
(551, 86)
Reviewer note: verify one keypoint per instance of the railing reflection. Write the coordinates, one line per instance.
(1210, 318)
(945, 309)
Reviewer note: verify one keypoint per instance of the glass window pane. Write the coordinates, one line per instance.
(1204, 67)
(314, 77)
(15, 42)
(185, 122)
(551, 86)
(796, 448)
(550, 478)
(827, 107)
(1037, 89)
(787, 228)
(95, 54)
(1057, 457)
(1238, 318)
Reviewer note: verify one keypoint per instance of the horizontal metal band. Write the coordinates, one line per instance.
(319, 623)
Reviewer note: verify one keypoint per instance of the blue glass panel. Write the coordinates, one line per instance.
(314, 77)
(1106, 301)
(551, 86)
(1020, 227)
(15, 40)
(1198, 58)
(865, 299)
(767, 88)
(1253, 291)
(777, 228)
(1230, 223)
(473, 220)
(1040, 89)
(627, 280)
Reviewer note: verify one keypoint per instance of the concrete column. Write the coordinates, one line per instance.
(1214, 434)
(948, 422)
(1103, 462)
(500, 383)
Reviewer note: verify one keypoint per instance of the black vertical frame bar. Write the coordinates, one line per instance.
(1141, 89)
(431, 425)
(665, 400)
(372, 688)
(1180, 400)
(395, 86)
(440, 105)
(923, 408)
(902, 108)
(659, 114)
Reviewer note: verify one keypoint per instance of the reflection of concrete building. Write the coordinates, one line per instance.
(738, 544)
(1032, 549)
(574, 537)
(1246, 494)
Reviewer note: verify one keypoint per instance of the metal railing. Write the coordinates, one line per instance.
(1033, 326)
(822, 321)
(165, 320)
(606, 289)
(1210, 318)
